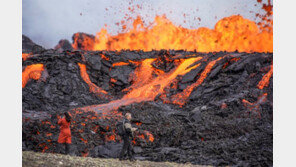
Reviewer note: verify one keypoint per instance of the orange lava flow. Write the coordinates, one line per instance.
(146, 87)
(92, 87)
(265, 79)
(33, 71)
(230, 34)
(25, 55)
(104, 57)
(181, 98)
(120, 64)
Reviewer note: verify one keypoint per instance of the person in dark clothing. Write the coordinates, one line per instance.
(65, 132)
(127, 138)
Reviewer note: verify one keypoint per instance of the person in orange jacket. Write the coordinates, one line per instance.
(65, 132)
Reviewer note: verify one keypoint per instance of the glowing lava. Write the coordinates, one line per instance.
(265, 79)
(230, 34)
(92, 87)
(33, 71)
(146, 88)
(25, 55)
(181, 98)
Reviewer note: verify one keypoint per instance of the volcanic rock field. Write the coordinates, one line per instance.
(218, 112)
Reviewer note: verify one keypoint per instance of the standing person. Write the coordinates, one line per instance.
(65, 132)
(127, 137)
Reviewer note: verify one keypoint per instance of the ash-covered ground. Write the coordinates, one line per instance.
(227, 119)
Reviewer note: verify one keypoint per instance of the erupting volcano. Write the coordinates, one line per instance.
(197, 95)
(233, 33)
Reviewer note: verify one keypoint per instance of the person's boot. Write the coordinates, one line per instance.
(122, 156)
(67, 148)
(122, 152)
(132, 158)
(130, 155)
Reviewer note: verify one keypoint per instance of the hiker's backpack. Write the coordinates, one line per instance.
(120, 128)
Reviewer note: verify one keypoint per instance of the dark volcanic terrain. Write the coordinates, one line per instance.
(227, 118)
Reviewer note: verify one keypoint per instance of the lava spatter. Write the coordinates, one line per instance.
(33, 71)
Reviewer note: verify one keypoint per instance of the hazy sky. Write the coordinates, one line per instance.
(48, 21)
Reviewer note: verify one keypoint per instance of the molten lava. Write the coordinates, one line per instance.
(92, 87)
(181, 98)
(25, 55)
(230, 34)
(120, 64)
(146, 87)
(265, 79)
(83, 41)
(33, 71)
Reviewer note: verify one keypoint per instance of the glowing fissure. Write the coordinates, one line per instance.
(265, 79)
(92, 87)
(181, 98)
(145, 87)
(149, 90)
(120, 64)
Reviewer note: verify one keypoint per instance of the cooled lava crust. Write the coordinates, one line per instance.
(218, 112)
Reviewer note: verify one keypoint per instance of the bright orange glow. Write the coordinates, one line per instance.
(83, 41)
(265, 79)
(33, 71)
(113, 80)
(151, 138)
(230, 34)
(92, 87)
(104, 57)
(25, 55)
(148, 83)
(146, 87)
(141, 136)
(110, 138)
(181, 98)
(120, 64)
